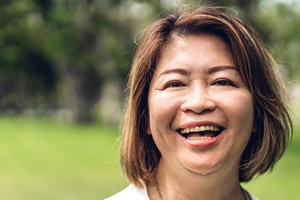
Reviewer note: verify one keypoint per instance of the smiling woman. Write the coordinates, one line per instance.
(205, 109)
(211, 95)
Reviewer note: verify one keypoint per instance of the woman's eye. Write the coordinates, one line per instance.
(174, 84)
(224, 83)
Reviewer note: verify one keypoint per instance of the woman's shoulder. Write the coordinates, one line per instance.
(130, 192)
(252, 197)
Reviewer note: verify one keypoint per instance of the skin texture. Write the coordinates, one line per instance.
(195, 83)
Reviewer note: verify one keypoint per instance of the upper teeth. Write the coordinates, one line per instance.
(199, 128)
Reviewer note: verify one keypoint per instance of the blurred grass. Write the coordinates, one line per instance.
(44, 159)
(283, 182)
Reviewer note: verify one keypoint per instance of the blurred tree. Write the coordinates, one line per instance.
(282, 22)
(60, 53)
(71, 46)
(27, 76)
(73, 43)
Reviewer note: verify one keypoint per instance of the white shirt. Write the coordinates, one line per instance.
(134, 193)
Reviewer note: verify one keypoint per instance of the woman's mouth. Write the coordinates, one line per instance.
(204, 132)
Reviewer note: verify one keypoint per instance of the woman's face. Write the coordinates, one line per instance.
(200, 111)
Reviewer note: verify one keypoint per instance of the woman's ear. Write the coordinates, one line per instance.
(148, 131)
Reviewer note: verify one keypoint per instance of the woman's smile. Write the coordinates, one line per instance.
(200, 134)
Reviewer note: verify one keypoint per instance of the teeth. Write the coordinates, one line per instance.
(199, 128)
(199, 138)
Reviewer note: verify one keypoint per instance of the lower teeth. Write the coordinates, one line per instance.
(199, 138)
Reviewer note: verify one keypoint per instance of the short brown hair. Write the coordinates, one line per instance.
(139, 154)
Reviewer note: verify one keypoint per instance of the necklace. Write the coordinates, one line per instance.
(157, 189)
(245, 194)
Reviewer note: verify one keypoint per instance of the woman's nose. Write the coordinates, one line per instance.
(198, 100)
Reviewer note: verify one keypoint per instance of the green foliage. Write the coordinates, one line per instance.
(27, 75)
(59, 47)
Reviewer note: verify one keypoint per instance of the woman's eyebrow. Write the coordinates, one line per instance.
(181, 71)
(185, 72)
(221, 68)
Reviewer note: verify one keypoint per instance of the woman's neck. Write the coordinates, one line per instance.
(187, 185)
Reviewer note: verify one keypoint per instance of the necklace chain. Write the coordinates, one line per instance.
(245, 194)
(157, 189)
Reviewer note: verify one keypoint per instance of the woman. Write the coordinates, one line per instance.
(205, 110)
